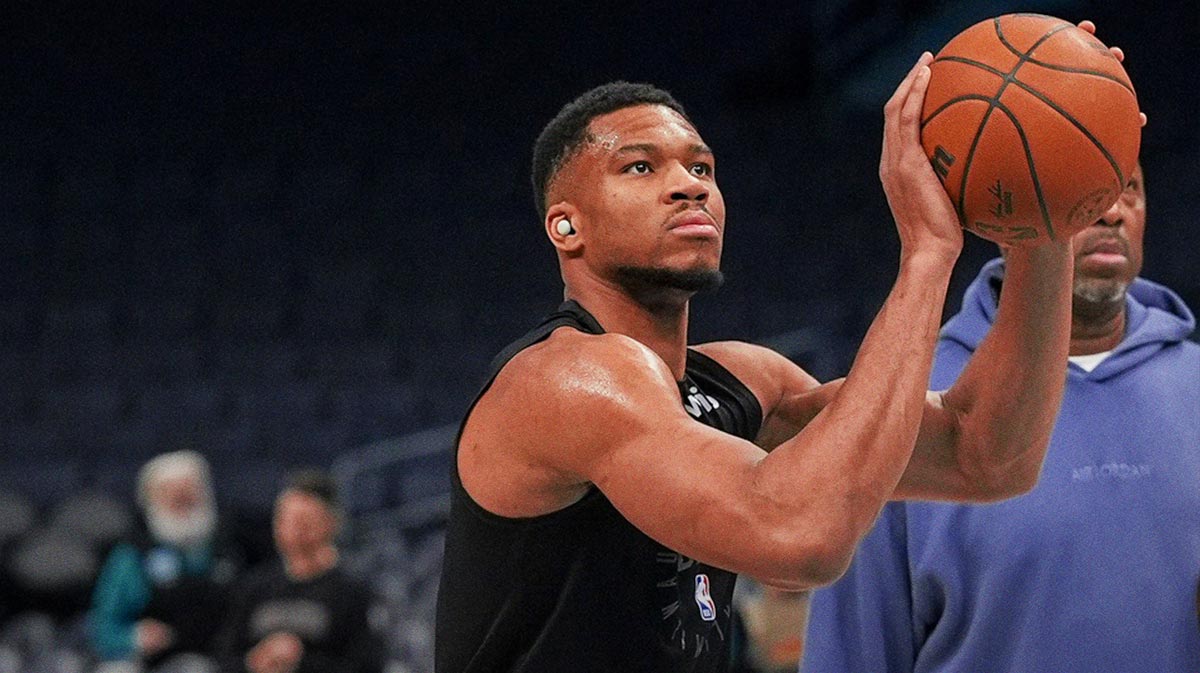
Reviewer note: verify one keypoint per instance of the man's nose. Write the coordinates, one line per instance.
(686, 186)
(1113, 217)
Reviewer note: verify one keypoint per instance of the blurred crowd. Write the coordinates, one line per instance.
(181, 587)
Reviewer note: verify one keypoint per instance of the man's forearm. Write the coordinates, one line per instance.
(1009, 393)
(884, 392)
(865, 436)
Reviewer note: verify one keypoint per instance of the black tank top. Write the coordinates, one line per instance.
(582, 589)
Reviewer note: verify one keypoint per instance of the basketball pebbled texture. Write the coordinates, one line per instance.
(1032, 125)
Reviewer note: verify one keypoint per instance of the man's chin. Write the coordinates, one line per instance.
(1100, 290)
(639, 279)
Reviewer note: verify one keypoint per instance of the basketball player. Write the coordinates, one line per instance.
(610, 481)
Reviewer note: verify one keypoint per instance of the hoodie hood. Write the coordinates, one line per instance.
(1156, 317)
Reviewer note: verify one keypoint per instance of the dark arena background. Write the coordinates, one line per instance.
(288, 237)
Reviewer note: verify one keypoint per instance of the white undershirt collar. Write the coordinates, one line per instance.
(1088, 362)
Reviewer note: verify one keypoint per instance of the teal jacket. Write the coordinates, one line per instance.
(130, 579)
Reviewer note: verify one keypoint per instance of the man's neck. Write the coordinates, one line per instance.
(1096, 328)
(659, 322)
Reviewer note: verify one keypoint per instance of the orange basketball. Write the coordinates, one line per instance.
(1032, 126)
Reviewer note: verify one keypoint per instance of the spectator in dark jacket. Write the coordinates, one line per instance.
(302, 614)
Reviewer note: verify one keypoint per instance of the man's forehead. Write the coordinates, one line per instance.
(176, 482)
(640, 125)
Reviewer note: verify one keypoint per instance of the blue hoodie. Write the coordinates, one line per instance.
(1096, 569)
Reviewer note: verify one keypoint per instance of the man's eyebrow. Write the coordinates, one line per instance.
(650, 148)
(637, 148)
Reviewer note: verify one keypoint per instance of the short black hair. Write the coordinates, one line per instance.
(568, 130)
(315, 483)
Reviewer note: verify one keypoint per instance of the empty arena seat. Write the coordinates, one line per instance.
(17, 515)
(53, 569)
(92, 517)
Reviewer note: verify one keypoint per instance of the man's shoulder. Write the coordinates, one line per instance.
(532, 442)
(568, 383)
(572, 362)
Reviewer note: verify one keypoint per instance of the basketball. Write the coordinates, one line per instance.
(1032, 126)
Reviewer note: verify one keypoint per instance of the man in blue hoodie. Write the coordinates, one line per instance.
(1096, 569)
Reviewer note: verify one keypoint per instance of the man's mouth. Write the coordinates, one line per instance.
(693, 223)
(1106, 251)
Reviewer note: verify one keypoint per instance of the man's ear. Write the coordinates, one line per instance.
(564, 227)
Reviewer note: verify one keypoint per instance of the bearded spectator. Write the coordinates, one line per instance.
(161, 593)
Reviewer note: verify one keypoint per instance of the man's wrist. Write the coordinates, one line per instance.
(930, 259)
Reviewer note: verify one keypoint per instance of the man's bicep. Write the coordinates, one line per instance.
(690, 487)
(619, 423)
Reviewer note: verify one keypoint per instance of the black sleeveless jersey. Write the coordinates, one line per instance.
(582, 589)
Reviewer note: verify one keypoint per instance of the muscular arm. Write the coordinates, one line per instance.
(985, 438)
(605, 410)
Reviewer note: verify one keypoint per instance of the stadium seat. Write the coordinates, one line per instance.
(92, 517)
(52, 568)
(17, 515)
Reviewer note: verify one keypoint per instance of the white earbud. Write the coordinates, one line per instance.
(564, 228)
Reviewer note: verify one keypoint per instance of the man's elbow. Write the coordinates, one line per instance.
(993, 483)
(802, 565)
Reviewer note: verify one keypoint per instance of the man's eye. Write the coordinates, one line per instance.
(701, 169)
(638, 167)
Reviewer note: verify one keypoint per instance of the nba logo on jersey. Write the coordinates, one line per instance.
(708, 609)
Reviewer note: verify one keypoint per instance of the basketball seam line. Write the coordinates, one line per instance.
(1112, 162)
(1012, 77)
(1065, 69)
(1060, 68)
(1082, 71)
(1037, 187)
(1025, 55)
(962, 189)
